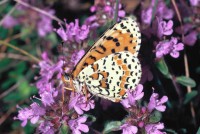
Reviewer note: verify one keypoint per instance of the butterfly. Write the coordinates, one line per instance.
(111, 66)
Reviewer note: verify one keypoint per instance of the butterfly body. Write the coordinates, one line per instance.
(111, 66)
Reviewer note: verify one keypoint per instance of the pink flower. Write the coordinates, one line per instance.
(169, 47)
(37, 112)
(79, 103)
(24, 115)
(46, 127)
(9, 22)
(133, 96)
(128, 129)
(47, 94)
(157, 104)
(154, 128)
(194, 2)
(162, 11)
(44, 25)
(32, 113)
(175, 47)
(73, 32)
(191, 38)
(165, 28)
(146, 15)
(77, 125)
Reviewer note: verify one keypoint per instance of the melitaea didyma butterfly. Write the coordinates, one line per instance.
(111, 66)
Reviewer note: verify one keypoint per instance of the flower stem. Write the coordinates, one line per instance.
(3, 1)
(20, 50)
(116, 11)
(189, 88)
(185, 61)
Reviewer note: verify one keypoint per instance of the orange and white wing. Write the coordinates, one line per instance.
(123, 36)
(111, 66)
(111, 76)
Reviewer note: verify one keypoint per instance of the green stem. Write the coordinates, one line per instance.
(20, 50)
(116, 11)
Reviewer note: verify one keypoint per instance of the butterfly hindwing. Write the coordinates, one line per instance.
(115, 74)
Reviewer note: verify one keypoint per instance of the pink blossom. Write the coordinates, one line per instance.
(157, 104)
(9, 22)
(154, 128)
(165, 28)
(72, 32)
(37, 112)
(77, 125)
(46, 127)
(133, 96)
(190, 38)
(162, 11)
(175, 47)
(33, 113)
(128, 129)
(194, 2)
(44, 25)
(24, 115)
(79, 103)
(146, 15)
(171, 47)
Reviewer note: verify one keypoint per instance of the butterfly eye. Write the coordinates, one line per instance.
(66, 77)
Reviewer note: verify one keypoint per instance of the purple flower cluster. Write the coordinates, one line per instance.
(139, 117)
(44, 25)
(162, 28)
(58, 106)
(104, 11)
(72, 32)
(171, 47)
(161, 11)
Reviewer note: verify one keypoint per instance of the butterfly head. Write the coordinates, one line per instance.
(74, 83)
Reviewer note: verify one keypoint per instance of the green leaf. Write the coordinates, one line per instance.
(170, 131)
(90, 118)
(52, 37)
(29, 128)
(111, 126)
(26, 32)
(190, 96)
(155, 117)
(198, 131)
(3, 33)
(8, 83)
(186, 81)
(162, 67)
(23, 91)
(91, 42)
(64, 129)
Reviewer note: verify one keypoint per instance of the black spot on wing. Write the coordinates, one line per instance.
(113, 50)
(102, 47)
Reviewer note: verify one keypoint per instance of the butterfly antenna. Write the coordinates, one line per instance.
(62, 43)
(62, 53)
